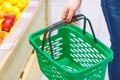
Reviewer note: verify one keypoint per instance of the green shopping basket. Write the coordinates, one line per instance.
(70, 53)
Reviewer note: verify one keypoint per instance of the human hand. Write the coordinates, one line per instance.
(70, 9)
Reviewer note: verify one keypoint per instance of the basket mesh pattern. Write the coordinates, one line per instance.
(82, 54)
(50, 71)
(76, 57)
(56, 47)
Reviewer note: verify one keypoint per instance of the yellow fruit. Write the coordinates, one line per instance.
(22, 4)
(1, 1)
(18, 15)
(0, 28)
(1, 20)
(0, 8)
(2, 14)
(13, 1)
(15, 10)
(28, 0)
(6, 6)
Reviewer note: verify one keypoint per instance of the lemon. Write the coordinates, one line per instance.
(15, 10)
(18, 15)
(6, 6)
(22, 4)
(13, 1)
(1, 1)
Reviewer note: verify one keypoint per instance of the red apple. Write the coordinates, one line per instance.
(7, 24)
(11, 16)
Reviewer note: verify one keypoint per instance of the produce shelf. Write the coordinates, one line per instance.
(15, 49)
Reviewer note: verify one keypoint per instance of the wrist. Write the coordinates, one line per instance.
(76, 3)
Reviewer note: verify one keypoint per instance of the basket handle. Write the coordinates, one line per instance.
(59, 24)
(84, 28)
(55, 26)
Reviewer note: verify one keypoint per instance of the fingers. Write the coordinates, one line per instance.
(70, 9)
(68, 14)
(65, 13)
(71, 13)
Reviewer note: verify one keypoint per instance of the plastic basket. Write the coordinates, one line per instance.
(71, 53)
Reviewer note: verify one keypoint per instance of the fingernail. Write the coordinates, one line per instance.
(68, 20)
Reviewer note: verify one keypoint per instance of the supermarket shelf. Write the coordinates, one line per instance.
(15, 50)
(32, 70)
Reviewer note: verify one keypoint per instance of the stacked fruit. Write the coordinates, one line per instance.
(10, 11)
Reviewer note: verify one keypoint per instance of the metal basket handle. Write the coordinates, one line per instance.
(57, 25)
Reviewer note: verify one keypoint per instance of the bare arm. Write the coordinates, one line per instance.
(70, 9)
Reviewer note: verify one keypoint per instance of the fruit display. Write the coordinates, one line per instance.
(2, 35)
(10, 12)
